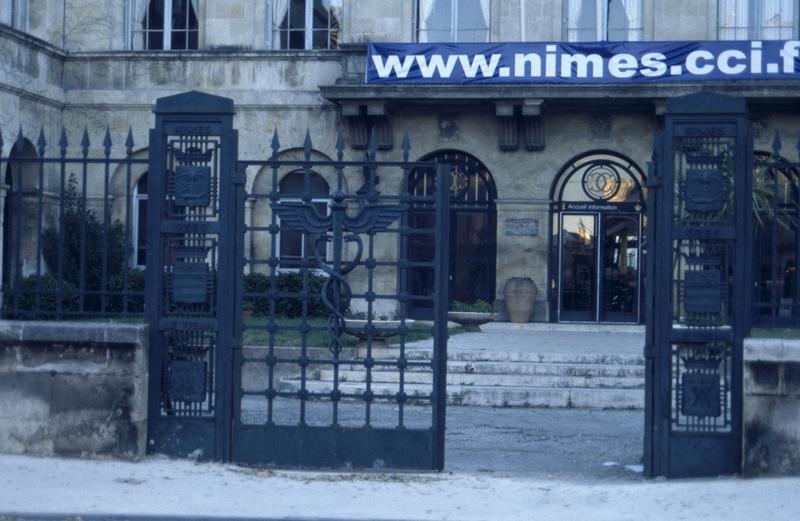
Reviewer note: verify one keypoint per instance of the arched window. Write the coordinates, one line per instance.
(307, 24)
(139, 222)
(294, 246)
(20, 177)
(473, 231)
(170, 25)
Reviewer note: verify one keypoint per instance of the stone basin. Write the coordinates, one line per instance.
(471, 320)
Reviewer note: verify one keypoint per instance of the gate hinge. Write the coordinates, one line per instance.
(240, 176)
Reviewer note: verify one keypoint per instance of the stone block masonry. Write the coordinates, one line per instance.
(771, 406)
(73, 389)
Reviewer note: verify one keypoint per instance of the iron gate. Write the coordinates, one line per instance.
(699, 285)
(259, 288)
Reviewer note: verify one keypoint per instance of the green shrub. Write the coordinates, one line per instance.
(479, 306)
(51, 294)
(84, 233)
(136, 284)
(257, 286)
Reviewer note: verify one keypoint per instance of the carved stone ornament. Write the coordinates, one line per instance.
(448, 126)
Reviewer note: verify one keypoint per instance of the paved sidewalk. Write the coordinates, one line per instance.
(161, 488)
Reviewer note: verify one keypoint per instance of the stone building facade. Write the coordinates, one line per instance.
(102, 63)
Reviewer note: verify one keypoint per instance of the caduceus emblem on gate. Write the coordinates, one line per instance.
(337, 228)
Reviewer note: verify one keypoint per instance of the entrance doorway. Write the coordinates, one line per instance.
(473, 232)
(596, 263)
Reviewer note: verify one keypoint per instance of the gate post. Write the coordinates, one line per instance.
(192, 182)
(699, 287)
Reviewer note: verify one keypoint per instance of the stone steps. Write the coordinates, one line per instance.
(532, 356)
(494, 377)
(494, 396)
(530, 368)
(488, 379)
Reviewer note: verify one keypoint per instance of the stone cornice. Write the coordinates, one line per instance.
(31, 41)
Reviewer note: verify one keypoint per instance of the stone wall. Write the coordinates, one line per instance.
(771, 406)
(73, 389)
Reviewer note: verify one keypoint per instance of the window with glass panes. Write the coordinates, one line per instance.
(603, 20)
(170, 25)
(453, 20)
(306, 24)
(757, 19)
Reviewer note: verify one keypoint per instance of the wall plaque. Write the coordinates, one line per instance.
(187, 381)
(700, 394)
(189, 281)
(703, 291)
(192, 185)
(704, 190)
(526, 227)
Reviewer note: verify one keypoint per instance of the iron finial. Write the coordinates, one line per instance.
(41, 143)
(20, 140)
(340, 145)
(129, 141)
(307, 145)
(85, 143)
(776, 144)
(62, 141)
(276, 145)
(107, 141)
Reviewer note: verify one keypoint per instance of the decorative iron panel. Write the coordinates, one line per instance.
(700, 277)
(324, 377)
(191, 182)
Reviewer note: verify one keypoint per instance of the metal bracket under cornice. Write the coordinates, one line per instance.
(516, 122)
(362, 118)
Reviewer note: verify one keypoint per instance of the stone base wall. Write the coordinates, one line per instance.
(771, 407)
(73, 389)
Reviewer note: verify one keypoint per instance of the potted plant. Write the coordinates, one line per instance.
(471, 316)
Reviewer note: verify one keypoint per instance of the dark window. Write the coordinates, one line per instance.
(294, 246)
(170, 25)
(307, 24)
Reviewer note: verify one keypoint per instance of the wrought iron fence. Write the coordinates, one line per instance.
(70, 224)
(776, 205)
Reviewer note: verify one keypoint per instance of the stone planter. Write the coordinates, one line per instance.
(520, 296)
(381, 330)
(471, 320)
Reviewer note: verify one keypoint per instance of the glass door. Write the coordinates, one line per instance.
(620, 268)
(600, 261)
(578, 295)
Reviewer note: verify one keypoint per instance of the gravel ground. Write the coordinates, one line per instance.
(564, 443)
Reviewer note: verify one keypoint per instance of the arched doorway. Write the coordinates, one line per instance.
(597, 219)
(473, 232)
(20, 176)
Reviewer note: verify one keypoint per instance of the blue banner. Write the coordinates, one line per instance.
(581, 63)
